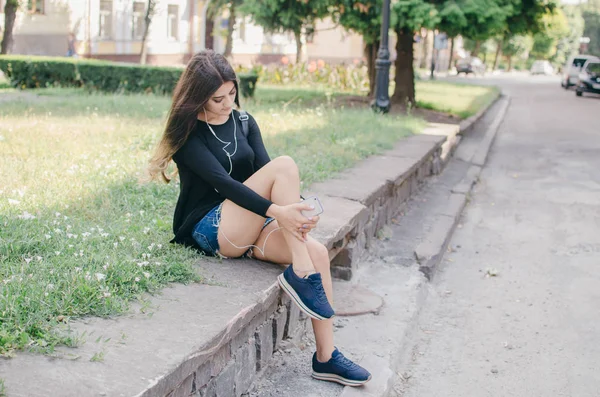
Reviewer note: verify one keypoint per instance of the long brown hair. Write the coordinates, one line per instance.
(204, 74)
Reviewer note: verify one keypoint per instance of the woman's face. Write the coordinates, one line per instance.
(222, 101)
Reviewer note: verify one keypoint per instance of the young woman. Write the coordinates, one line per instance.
(234, 197)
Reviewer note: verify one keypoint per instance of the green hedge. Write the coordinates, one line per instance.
(38, 72)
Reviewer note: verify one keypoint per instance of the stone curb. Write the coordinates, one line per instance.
(431, 250)
(428, 255)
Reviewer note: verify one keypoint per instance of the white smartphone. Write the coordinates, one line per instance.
(316, 203)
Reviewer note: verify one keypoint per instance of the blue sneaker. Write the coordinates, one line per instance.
(307, 293)
(341, 370)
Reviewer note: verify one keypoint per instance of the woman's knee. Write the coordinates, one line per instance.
(285, 164)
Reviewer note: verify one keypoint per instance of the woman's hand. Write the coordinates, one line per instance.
(290, 218)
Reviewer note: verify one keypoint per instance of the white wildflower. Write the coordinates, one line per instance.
(100, 276)
(115, 244)
(142, 212)
(71, 245)
(57, 214)
(146, 230)
(13, 202)
(88, 276)
(146, 274)
(106, 294)
(86, 234)
(45, 294)
(27, 260)
(137, 279)
(57, 253)
(121, 238)
(159, 246)
(104, 234)
(78, 270)
(26, 216)
(39, 258)
(50, 286)
(48, 237)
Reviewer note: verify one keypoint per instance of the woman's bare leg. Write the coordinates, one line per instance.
(276, 251)
(278, 181)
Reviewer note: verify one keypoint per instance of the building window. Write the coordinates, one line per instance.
(173, 22)
(35, 6)
(138, 22)
(106, 19)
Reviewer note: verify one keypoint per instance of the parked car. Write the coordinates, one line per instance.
(542, 67)
(589, 78)
(573, 68)
(470, 65)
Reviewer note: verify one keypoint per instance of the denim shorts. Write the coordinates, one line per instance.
(206, 231)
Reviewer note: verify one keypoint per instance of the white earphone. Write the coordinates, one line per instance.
(227, 144)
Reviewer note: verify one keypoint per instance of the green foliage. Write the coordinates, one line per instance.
(363, 18)
(553, 28)
(248, 83)
(285, 15)
(517, 46)
(484, 18)
(452, 18)
(412, 15)
(347, 78)
(591, 15)
(42, 72)
(39, 72)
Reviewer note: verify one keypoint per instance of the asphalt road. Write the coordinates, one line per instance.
(515, 307)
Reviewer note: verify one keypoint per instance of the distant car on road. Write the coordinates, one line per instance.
(573, 68)
(542, 67)
(470, 65)
(589, 78)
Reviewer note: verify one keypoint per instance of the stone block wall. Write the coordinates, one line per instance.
(236, 365)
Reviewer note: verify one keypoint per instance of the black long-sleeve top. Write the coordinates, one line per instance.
(203, 170)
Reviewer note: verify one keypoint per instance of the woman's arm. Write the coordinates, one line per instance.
(261, 157)
(198, 158)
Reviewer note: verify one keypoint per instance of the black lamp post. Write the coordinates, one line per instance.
(381, 103)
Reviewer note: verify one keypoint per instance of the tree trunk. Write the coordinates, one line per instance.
(509, 60)
(298, 37)
(477, 48)
(371, 55)
(498, 53)
(209, 39)
(451, 54)
(147, 21)
(10, 14)
(424, 61)
(404, 93)
(230, 28)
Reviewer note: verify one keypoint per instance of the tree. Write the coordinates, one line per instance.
(554, 27)
(150, 11)
(591, 15)
(215, 8)
(10, 14)
(408, 17)
(293, 16)
(452, 22)
(363, 18)
(514, 46)
(484, 19)
(569, 44)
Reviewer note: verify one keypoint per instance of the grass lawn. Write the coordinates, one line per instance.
(463, 100)
(81, 235)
